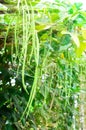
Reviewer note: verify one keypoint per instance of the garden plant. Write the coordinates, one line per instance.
(42, 65)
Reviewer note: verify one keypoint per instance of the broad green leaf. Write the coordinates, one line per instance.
(54, 17)
(74, 37)
(44, 36)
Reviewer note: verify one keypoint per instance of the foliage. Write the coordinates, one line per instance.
(40, 43)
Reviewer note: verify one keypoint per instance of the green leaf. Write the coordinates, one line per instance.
(3, 7)
(42, 27)
(74, 37)
(64, 48)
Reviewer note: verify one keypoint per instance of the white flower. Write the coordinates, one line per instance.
(13, 81)
(27, 84)
(44, 77)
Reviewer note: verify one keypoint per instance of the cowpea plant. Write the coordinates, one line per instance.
(42, 44)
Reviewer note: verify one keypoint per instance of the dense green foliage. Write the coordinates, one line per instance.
(41, 49)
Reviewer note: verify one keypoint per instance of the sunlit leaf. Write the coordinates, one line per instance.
(81, 49)
(3, 7)
(43, 27)
(75, 39)
(64, 48)
(84, 33)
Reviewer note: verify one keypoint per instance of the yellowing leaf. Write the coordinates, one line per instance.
(42, 27)
(84, 33)
(60, 86)
(81, 49)
(62, 55)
